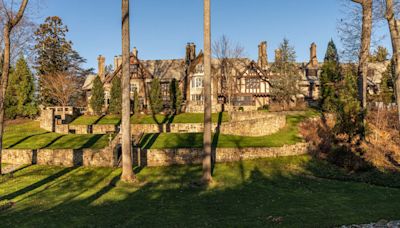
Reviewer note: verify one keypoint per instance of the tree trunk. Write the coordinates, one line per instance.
(207, 178)
(127, 166)
(8, 27)
(364, 52)
(395, 38)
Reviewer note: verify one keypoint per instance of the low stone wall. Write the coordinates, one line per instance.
(62, 129)
(240, 116)
(79, 129)
(181, 156)
(104, 129)
(242, 123)
(62, 157)
(18, 157)
(262, 126)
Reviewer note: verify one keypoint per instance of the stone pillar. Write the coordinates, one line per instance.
(47, 121)
(117, 62)
(101, 66)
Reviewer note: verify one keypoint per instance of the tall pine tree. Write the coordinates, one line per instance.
(329, 78)
(97, 98)
(20, 96)
(116, 97)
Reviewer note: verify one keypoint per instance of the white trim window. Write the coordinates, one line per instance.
(197, 82)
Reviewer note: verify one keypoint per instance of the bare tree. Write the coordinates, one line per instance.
(12, 20)
(62, 87)
(395, 38)
(365, 47)
(229, 56)
(207, 139)
(127, 166)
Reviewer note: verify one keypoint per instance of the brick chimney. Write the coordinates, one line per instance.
(135, 52)
(190, 52)
(278, 55)
(313, 55)
(117, 61)
(101, 66)
(262, 55)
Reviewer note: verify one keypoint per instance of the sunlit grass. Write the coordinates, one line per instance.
(285, 192)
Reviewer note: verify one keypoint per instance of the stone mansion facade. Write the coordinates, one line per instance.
(247, 85)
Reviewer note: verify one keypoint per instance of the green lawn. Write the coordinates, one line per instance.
(30, 136)
(110, 119)
(284, 192)
(85, 120)
(181, 118)
(287, 136)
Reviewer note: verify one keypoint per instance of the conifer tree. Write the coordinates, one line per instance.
(155, 96)
(386, 93)
(97, 99)
(20, 96)
(175, 96)
(329, 78)
(348, 111)
(116, 97)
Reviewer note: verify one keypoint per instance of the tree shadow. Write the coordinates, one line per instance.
(92, 141)
(271, 194)
(37, 184)
(24, 139)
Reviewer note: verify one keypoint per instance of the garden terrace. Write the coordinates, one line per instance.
(29, 135)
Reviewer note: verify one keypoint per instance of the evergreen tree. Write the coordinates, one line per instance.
(20, 95)
(116, 97)
(380, 54)
(135, 102)
(349, 118)
(155, 96)
(97, 99)
(175, 96)
(330, 76)
(331, 54)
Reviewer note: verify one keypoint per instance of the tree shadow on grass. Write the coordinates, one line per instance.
(24, 139)
(270, 195)
(91, 142)
(37, 184)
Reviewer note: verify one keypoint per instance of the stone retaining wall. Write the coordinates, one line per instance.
(61, 157)
(80, 129)
(104, 129)
(166, 157)
(256, 124)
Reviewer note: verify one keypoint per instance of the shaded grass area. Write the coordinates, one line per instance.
(85, 120)
(181, 118)
(29, 135)
(110, 119)
(284, 192)
(286, 136)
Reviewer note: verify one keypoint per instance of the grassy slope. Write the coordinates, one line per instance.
(250, 193)
(85, 120)
(30, 136)
(287, 136)
(110, 119)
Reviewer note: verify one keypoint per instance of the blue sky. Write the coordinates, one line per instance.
(161, 28)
